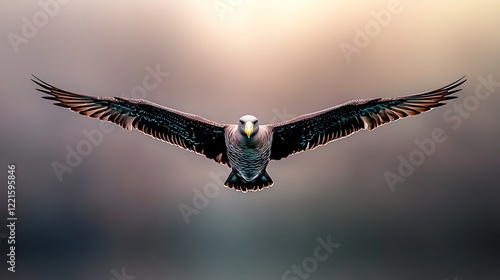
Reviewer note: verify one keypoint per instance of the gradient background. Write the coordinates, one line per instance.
(120, 206)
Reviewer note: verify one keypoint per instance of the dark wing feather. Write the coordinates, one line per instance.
(309, 131)
(181, 129)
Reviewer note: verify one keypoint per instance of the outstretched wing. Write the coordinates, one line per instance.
(185, 130)
(320, 128)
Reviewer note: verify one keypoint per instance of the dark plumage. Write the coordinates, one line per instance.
(248, 147)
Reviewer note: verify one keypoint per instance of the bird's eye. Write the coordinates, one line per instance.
(242, 122)
(254, 122)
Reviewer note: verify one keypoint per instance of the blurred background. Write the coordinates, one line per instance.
(113, 208)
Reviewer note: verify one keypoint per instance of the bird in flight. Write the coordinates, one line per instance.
(247, 147)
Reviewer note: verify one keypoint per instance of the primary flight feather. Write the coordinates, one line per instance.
(248, 147)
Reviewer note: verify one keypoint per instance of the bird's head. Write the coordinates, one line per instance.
(248, 125)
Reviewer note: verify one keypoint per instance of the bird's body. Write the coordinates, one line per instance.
(248, 147)
(248, 156)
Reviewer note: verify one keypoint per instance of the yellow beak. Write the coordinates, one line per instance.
(248, 128)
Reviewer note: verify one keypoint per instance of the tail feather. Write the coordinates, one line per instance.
(234, 181)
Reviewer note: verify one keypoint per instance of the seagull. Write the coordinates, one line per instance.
(247, 147)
